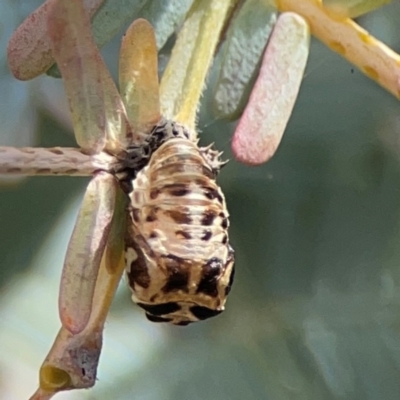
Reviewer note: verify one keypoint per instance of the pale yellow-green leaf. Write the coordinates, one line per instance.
(184, 77)
(372, 57)
(353, 8)
(113, 263)
(85, 251)
(138, 77)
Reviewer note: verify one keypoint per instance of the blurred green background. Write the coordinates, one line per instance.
(315, 309)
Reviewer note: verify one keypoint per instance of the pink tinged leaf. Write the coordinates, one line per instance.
(247, 37)
(264, 120)
(29, 49)
(97, 110)
(138, 76)
(73, 359)
(108, 21)
(85, 251)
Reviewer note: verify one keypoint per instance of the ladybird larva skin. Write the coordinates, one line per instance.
(179, 262)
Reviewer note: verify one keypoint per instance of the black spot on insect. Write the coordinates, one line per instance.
(211, 193)
(225, 239)
(154, 193)
(231, 279)
(138, 273)
(178, 260)
(154, 318)
(202, 313)
(180, 217)
(176, 281)
(224, 223)
(183, 323)
(177, 190)
(135, 215)
(160, 309)
(208, 218)
(209, 280)
(152, 216)
(178, 274)
(206, 235)
(184, 234)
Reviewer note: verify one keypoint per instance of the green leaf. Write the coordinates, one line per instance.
(247, 37)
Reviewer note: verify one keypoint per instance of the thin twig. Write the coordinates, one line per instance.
(53, 161)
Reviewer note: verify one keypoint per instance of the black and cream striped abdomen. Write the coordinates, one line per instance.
(179, 262)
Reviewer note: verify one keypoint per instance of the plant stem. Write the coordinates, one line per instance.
(53, 161)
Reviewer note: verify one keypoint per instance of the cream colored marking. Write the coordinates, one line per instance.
(130, 257)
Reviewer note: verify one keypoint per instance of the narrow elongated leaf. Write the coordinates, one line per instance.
(108, 21)
(165, 17)
(112, 17)
(96, 107)
(378, 61)
(85, 251)
(185, 74)
(29, 49)
(246, 40)
(138, 76)
(73, 359)
(353, 8)
(113, 262)
(264, 120)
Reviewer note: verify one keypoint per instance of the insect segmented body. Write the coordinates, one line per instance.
(180, 265)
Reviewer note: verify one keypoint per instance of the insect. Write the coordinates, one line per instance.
(179, 261)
